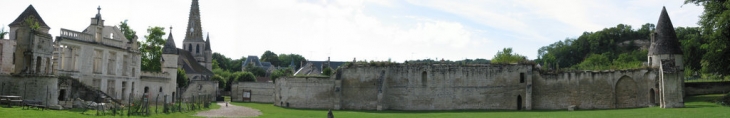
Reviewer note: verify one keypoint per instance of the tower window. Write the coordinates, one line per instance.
(190, 47)
(197, 48)
(424, 80)
(522, 77)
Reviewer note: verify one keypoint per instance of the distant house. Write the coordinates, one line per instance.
(316, 67)
(255, 62)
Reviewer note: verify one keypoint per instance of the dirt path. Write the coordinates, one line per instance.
(230, 111)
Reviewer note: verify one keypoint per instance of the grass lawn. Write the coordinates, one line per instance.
(696, 107)
(17, 112)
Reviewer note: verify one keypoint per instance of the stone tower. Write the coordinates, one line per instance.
(194, 42)
(665, 55)
(34, 46)
(169, 57)
(208, 54)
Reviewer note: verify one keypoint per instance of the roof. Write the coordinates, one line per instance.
(30, 11)
(194, 31)
(317, 67)
(666, 41)
(253, 59)
(190, 65)
(169, 47)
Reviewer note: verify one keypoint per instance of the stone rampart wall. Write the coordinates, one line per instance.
(699, 88)
(262, 92)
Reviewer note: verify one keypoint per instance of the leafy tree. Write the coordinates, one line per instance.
(128, 32)
(506, 56)
(327, 71)
(237, 64)
(692, 41)
(716, 32)
(281, 73)
(215, 64)
(182, 79)
(269, 56)
(246, 77)
(221, 81)
(286, 59)
(2, 33)
(259, 72)
(151, 50)
(595, 62)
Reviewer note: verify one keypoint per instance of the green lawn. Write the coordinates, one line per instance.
(17, 112)
(696, 107)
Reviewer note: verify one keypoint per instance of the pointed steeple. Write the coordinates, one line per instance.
(169, 47)
(207, 42)
(665, 39)
(29, 12)
(194, 31)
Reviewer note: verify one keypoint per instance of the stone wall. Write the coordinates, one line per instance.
(700, 88)
(196, 88)
(456, 87)
(304, 92)
(44, 89)
(595, 90)
(261, 92)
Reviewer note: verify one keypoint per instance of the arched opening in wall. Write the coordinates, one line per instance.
(649, 61)
(38, 64)
(160, 89)
(173, 97)
(652, 97)
(146, 89)
(190, 47)
(197, 48)
(62, 95)
(626, 93)
(519, 102)
(424, 79)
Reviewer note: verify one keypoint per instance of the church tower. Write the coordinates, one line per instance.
(665, 55)
(194, 42)
(169, 57)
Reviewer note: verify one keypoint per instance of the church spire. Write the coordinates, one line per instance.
(194, 30)
(169, 47)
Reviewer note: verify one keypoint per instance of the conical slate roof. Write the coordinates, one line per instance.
(666, 41)
(194, 31)
(169, 47)
(30, 11)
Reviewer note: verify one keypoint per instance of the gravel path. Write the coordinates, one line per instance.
(230, 111)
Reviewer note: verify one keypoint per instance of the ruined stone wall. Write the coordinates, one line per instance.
(44, 89)
(196, 88)
(305, 92)
(595, 90)
(262, 92)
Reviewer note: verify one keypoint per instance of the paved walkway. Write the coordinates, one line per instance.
(230, 111)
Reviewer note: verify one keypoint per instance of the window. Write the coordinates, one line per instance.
(111, 67)
(146, 89)
(124, 90)
(424, 81)
(97, 61)
(125, 65)
(96, 84)
(522, 77)
(190, 47)
(197, 48)
(110, 87)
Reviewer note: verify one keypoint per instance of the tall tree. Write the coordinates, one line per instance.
(128, 32)
(287, 59)
(269, 56)
(716, 32)
(506, 56)
(151, 49)
(2, 33)
(182, 79)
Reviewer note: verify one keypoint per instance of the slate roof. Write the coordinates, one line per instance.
(256, 63)
(169, 47)
(207, 42)
(194, 31)
(666, 41)
(316, 67)
(190, 65)
(30, 11)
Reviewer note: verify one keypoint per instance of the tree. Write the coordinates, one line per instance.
(151, 50)
(269, 56)
(221, 81)
(182, 79)
(281, 73)
(506, 56)
(327, 71)
(2, 33)
(128, 32)
(258, 72)
(716, 32)
(246, 77)
(286, 59)
(223, 61)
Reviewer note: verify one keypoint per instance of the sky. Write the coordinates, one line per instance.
(381, 30)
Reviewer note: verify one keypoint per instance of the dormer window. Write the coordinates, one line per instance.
(111, 35)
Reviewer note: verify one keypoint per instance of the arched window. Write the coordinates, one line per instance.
(146, 89)
(197, 48)
(190, 47)
(160, 89)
